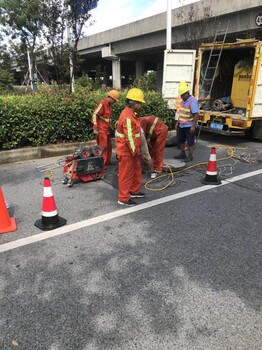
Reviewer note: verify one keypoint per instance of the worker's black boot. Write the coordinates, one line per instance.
(189, 158)
(182, 155)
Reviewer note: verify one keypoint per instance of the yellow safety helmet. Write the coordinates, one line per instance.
(114, 94)
(135, 95)
(183, 88)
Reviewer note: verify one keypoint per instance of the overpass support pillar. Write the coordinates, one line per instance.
(116, 73)
(139, 69)
(160, 67)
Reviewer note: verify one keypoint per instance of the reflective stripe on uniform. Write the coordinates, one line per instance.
(129, 133)
(95, 113)
(185, 119)
(153, 126)
(122, 135)
(184, 115)
(105, 119)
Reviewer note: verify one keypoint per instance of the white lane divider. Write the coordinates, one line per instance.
(102, 218)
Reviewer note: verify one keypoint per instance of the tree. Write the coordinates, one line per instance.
(194, 34)
(5, 58)
(42, 23)
(21, 19)
(55, 58)
(78, 15)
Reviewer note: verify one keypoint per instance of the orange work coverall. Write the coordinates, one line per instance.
(128, 150)
(102, 121)
(156, 130)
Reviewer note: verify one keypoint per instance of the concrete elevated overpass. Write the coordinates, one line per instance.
(129, 51)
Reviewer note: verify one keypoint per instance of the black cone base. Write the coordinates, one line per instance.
(47, 223)
(211, 180)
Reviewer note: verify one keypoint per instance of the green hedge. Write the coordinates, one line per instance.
(48, 117)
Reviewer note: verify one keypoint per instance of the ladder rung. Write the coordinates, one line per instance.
(221, 34)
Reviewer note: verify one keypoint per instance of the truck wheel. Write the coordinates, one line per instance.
(256, 130)
(249, 133)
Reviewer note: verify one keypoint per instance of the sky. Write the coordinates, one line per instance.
(114, 13)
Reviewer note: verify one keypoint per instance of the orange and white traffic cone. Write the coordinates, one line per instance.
(7, 224)
(50, 219)
(211, 173)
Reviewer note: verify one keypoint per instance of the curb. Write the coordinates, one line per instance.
(22, 154)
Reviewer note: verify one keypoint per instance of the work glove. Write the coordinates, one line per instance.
(95, 132)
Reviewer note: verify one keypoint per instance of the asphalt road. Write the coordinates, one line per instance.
(181, 271)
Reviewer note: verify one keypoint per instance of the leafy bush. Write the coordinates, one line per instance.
(148, 82)
(49, 117)
(43, 118)
(156, 105)
(6, 81)
(85, 81)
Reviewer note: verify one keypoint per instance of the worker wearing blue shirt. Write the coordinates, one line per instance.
(187, 122)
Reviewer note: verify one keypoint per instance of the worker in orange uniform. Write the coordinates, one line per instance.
(102, 124)
(156, 131)
(128, 149)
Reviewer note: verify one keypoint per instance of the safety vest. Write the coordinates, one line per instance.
(178, 103)
(184, 112)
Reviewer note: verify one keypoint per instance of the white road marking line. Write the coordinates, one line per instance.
(86, 223)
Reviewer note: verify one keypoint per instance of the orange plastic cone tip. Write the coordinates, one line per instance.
(7, 224)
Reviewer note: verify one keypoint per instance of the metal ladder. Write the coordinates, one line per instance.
(213, 61)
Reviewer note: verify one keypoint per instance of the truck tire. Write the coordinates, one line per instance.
(257, 129)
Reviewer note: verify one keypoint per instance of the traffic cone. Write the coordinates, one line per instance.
(7, 224)
(211, 173)
(50, 219)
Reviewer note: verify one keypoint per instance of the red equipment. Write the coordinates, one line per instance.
(85, 164)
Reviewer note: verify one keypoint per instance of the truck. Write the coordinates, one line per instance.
(235, 105)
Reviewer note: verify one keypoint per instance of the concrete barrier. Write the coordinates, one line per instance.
(28, 153)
